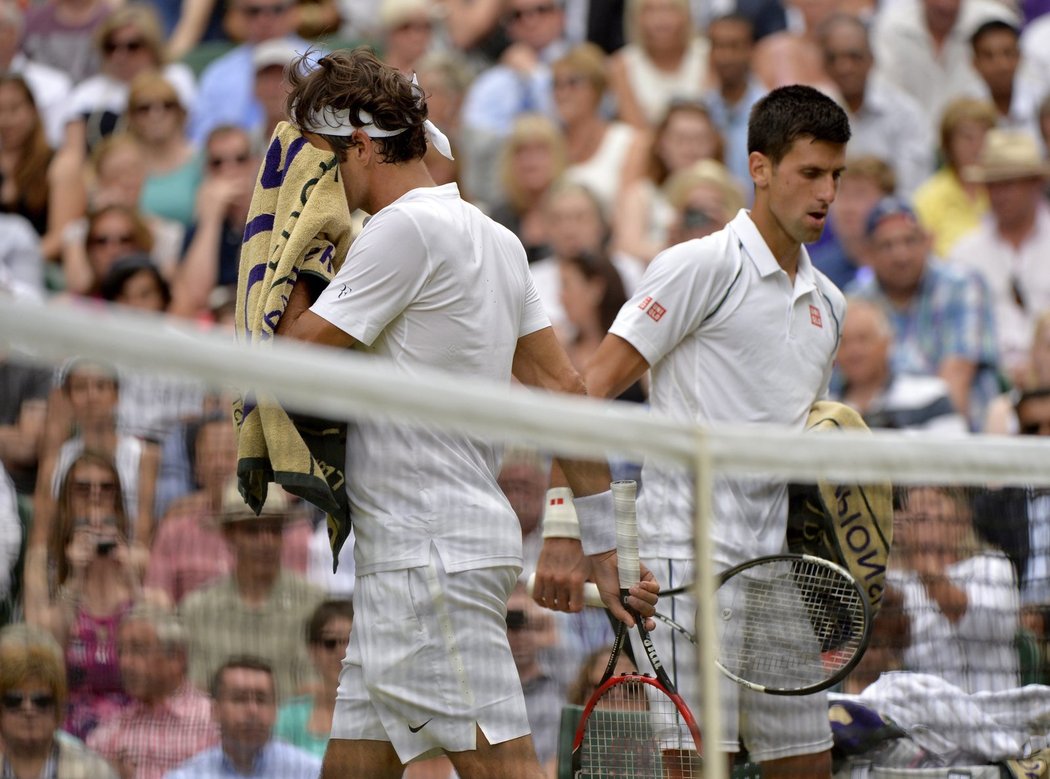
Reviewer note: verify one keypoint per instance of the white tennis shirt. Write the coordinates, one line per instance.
(730, 340)
(432, 282)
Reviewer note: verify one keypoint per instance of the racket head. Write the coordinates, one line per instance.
(633, 726)
(791, 624)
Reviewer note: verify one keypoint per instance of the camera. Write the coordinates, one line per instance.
(106, 546)
(696, 219)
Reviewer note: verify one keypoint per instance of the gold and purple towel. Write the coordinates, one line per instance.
(298, 228)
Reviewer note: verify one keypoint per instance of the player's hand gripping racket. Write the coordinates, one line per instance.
(634, 725)
(792, 624)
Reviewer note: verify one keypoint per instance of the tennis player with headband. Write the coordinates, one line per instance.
(430, 283)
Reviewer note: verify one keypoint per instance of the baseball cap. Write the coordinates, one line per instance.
(272, 52)
(887, 207)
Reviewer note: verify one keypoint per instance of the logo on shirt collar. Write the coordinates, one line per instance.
(814, 317)
(652, 308)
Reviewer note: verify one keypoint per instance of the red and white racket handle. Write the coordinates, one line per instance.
(624, 494)
(591, 596)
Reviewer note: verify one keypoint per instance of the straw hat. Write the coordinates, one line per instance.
(234, 509)
(1007, 155)
(395, 12)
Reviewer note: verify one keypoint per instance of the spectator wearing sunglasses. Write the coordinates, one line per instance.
(111, 232)
(227, 85)
(306, 721)
(130, 43)
(32, 696)
(520, 83)
(156, 118)
(213, 243)
(407, 32)
(81, 583)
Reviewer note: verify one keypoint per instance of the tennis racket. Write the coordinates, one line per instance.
(634, 725)
(792, 624)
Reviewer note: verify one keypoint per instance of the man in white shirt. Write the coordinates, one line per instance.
(708, 318)
(438, 548)
(923, 46)
(886, 122)
(997, 60)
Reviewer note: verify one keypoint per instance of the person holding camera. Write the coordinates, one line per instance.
(83, 585)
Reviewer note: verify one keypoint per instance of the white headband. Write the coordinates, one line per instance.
(329, 121)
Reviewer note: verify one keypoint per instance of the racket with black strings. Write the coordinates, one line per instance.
(634, 725)
(791, 624)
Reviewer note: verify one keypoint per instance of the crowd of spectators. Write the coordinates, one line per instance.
(162, 620)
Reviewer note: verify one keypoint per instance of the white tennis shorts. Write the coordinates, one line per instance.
(429, 662)
(771, 726)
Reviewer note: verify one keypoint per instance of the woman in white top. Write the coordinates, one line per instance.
(131, 43)
(664, 60)
(685, 135)
(960, 596)
(604, 156)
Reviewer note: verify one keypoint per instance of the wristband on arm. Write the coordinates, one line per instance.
(559, 516)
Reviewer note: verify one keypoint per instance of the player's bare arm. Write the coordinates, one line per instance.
(299, 322)
(615, 367)
(540, 361)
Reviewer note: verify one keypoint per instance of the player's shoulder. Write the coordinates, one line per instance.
(716, 253)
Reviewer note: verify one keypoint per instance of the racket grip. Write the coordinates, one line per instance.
(624, 493)
(591, 596)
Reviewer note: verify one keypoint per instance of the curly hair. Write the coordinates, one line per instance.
(356, 80)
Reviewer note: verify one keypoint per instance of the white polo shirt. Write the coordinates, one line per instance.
(432, 282)
(730, 340)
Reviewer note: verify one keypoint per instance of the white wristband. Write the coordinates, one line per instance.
(597, 525)
(559, 517)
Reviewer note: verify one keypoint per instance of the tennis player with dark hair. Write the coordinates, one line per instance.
(737, 327)
(430, 283)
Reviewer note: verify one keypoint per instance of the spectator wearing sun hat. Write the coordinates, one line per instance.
(1009, 249)
(270, 60)
(407, 32)
(260, 608)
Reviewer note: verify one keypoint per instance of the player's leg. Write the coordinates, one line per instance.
(429, 664)
(360, 759)
(798, 767)
(514, 759)
(789, 736)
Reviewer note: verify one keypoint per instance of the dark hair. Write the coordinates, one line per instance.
(247, 662)
(789, 113)
(356, 80)
(658, 170)
(192, 434)
(30, 173)
(112, 284)
(598, 266)
(325, 612)
(847, 20)
(735, 17)
(993, 25)
(62, 532)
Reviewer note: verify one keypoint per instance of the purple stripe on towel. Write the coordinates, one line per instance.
(259, 224)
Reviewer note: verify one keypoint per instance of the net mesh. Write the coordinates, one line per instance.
(962, 623)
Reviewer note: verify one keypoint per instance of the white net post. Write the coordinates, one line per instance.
(715, 766)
